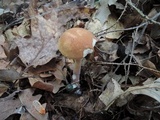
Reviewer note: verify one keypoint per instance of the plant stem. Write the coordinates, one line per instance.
(76, 71)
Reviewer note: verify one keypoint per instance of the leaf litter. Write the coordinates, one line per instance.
(121, 75)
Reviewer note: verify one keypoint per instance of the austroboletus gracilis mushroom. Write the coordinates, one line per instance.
(76, 43)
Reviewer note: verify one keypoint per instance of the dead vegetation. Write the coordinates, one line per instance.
(119, 81)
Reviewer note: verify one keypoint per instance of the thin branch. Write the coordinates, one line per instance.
(131, 28)
(141, 13)
(126, 64)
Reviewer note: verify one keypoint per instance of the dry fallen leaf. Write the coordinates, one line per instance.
(40, 49)
(111, 93)
(113, 25)
(52, 86)
(60, 72)
(103, 11)
(114, 92)
(110, 48)
(27, 116)
(22, 30)
(94, 26)
(2, 53)
(38, 83)
(9, 35)
(155, 34)
(3, 64)
(42, 46)
(2, 40)
(152, 89)
(56, 85)
(134, 79)
(151, 67)
(45, 30)
(3, 88)
(27, 99)
(8, 107)
(9, 75)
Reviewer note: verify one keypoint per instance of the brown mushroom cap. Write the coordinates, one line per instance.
(76, 43)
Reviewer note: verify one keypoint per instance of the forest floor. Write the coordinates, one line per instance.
(118, 81)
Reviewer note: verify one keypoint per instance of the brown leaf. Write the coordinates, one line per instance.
(2, 40)
(155, 34)
(8, 107)
(110, 48)
(3, 88)
(151, 67)
(42, 69)
(22, 30)
(52, 86)
(38, 83)
(3, 64)
(2, 53)
(42, 46)
(9, 75)
(80, 102)
(27, 99)
(36, 52)
(56, 85)
(27, 116)
(60, 72)
(113, 90)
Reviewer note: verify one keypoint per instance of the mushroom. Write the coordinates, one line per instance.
(76, 43)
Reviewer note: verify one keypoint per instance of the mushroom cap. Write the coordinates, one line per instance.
(76, 43)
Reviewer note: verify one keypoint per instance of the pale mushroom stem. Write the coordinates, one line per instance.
(76, 71)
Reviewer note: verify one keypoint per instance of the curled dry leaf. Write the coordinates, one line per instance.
(9, 35)
(38, 83)
(60, 72)
(56, 85)
(151, 67)
(152, 89)
(134, 80)
(110, 48)
(94, 26)
(114, 92)
(52, 86)
(111, 93)
(22, 30)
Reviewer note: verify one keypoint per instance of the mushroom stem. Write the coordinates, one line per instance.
(76, 71)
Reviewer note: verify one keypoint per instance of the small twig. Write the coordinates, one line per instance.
(127, 29)
(10, 96)
(141, 13)
(118, 18)
(122, 64)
